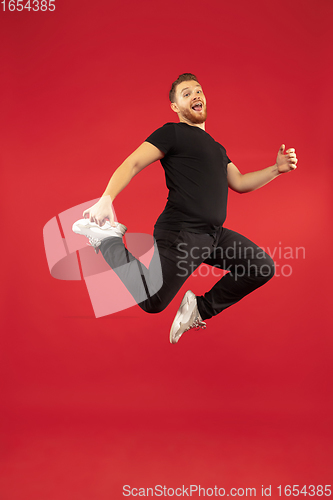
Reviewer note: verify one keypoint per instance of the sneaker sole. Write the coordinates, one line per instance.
(85, 229)
(176, 323)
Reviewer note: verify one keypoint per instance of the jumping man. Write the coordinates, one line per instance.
(190, 229)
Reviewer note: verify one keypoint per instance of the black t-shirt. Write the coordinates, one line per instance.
(196, 175)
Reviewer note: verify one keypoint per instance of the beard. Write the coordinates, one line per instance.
(195, 117)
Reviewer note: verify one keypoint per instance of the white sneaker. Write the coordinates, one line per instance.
(97, 234)
(187, 317)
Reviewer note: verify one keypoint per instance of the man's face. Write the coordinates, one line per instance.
(190, 102)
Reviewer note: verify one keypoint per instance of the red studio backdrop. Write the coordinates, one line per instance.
(93, 408)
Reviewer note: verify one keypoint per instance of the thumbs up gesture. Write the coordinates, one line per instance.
(286, 161)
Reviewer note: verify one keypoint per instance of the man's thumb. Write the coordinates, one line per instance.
(282, 148)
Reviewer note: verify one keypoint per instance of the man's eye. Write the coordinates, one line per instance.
(199, 91)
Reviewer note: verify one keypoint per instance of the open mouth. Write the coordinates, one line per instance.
(197, 106)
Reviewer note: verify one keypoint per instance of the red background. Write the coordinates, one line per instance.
(90, 405)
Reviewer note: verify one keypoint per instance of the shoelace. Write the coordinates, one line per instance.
(94, 242)
(197, 324)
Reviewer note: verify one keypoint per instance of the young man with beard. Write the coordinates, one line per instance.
(190, 229)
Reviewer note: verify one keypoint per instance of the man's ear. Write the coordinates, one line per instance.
(174, 107)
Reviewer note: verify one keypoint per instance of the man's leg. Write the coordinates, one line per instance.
(176, 255)
(249, 268)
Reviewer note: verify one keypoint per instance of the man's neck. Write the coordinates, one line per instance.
(200, 125)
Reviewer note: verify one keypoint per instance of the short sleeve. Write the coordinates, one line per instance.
(224, 153)
(163, 138)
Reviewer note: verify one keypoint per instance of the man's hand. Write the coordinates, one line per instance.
(286, 162)
(100, 212)
(143, 156)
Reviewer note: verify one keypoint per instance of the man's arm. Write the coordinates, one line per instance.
(254, 180)
(137, 161)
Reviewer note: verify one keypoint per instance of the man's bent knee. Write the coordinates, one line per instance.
(266, 270)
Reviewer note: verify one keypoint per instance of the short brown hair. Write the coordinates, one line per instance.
(185, 77)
